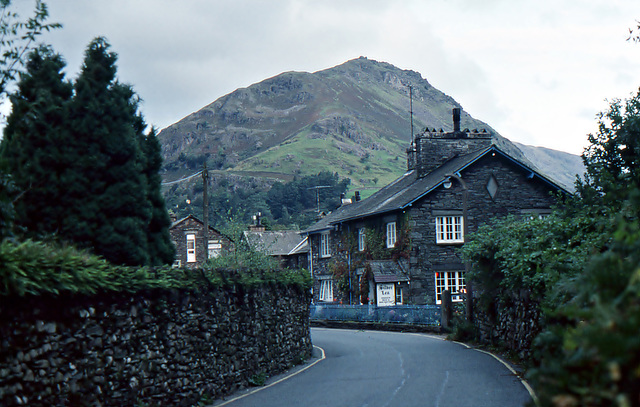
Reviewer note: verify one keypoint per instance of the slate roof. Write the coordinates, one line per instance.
(407, 189)
(388, 271)
(278, 243)
(179, 221)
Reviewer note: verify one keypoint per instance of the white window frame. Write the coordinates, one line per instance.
(325, 245)
(325, 293)
(214, 249)
(450, 229)
(399, 296)
(362, 242)
(191, 247)
(452, 281)
(391, 235)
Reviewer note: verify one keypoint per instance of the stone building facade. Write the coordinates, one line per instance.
(192, 249)
(455, 182)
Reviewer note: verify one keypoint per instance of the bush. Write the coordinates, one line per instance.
(34, 268)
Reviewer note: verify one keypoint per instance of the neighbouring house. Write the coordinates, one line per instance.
(192, 249)
(399, 246)
(288, 246)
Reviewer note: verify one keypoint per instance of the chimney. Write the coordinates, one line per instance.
(258, 227)
(357, 198)
(456, 120)
(433, 148)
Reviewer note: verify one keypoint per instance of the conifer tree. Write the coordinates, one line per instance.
(35, 140)
(112, 207)
(86, 169)
(161, 249)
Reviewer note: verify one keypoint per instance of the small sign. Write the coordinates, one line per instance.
(386, 294)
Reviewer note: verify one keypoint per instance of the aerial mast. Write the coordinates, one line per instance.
(411, 109)
(317, 188)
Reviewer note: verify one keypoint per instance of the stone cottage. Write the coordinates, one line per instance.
(399, 246)
(289, 247)
(192, 248)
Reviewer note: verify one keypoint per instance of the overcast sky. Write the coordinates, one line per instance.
(538, 71)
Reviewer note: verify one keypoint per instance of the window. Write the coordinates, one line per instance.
(191, 248)
(326, 290)
(391, 234)
(452, 281)
(398, 294)
(214, 248)
(449, 229)
(361, 240)
(324, 245)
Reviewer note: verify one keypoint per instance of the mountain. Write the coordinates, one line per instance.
(352, 119)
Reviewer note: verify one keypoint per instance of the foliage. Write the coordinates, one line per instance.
(36, 268)
(258, 379)
(463, 330)
(513, 254)
(376, 243)
(161, 249)
(364, 284)
(590, 353)
(7, 211)
(17, 37)
(86, 170)
(36, 142)
(284, 205)
(297, 199)
(611, 160)
(582, 264)
(243, 257)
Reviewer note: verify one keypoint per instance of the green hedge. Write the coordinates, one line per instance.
(34, 268)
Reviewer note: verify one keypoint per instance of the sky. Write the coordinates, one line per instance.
(537, 71)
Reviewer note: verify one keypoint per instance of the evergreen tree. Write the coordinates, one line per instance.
(86, 171)
(35, 140)
(161, 249)
(16, 40)
(112, 208)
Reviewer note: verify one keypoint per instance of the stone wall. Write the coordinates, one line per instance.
(161, 347)
(512, 323)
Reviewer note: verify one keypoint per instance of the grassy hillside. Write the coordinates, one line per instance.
(352, 119)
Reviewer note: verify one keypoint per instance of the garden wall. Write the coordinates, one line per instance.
(160, 347)
(512, 323)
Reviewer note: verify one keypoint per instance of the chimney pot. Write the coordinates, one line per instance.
(456, 119)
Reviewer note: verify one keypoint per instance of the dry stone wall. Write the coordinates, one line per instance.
(512, 323)
(162, 347)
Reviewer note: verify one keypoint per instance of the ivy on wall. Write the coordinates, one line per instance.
(348, 259)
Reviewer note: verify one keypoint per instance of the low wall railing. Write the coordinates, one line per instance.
(397, 314)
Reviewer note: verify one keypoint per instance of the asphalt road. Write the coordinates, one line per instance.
(385, 369)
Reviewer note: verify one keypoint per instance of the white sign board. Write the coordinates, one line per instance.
(386, 294)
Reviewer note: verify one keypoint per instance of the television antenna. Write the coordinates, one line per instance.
(317, 188)
(411, 109)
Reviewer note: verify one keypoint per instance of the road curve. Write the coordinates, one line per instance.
(386, 369)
